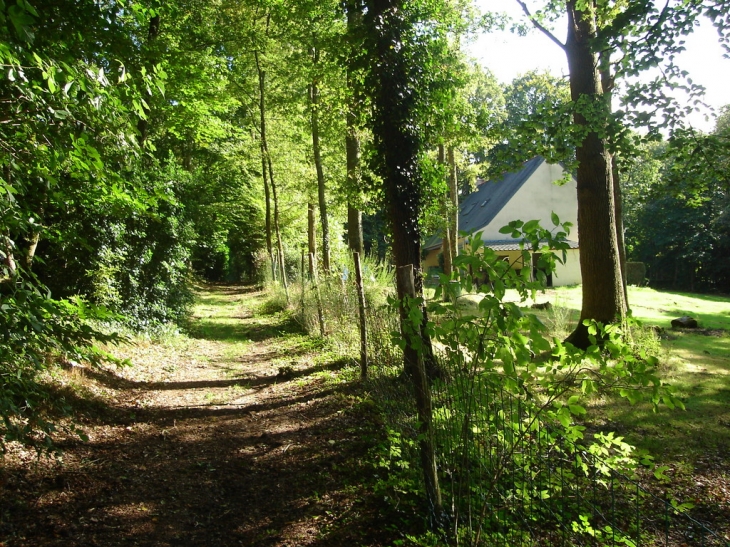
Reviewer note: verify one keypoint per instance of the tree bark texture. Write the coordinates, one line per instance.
(603, 294)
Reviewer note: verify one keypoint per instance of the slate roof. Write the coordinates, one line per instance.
(480, 207)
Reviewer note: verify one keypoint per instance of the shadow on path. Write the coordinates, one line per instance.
(283, 464)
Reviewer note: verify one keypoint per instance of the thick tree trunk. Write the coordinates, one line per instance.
(396, 140)
(603, 292)
(321, 190)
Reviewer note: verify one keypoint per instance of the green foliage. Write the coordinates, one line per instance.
(36, 331)
(539, 117)
(677, 216)
(511, 399)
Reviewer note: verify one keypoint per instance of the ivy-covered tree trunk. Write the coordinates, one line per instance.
(393, 81)
(600, 262)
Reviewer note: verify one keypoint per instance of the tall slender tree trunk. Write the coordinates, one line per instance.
(264, 166)
(607, 84)
(311, 234)
(396, 140)
(603, 292)
(354, 215)
(321, 190)
(269, 167)
(446, 249)
(352, 148)
(618, 201)
(454, 205)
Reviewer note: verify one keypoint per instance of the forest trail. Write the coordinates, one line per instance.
(238, 434)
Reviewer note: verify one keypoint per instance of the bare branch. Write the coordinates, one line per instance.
(538, 26)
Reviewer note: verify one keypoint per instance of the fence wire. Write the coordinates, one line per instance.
(507, 478)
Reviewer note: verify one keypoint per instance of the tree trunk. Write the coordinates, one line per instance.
(264, 165)
(354, 230)
(603, 293)
(396, 140)
(314, 103)
(453, 205)
(311, 234)
(607, 84)
(446, 249)
(269, 167)
(352, 148)
(9, 251)
(618, 201)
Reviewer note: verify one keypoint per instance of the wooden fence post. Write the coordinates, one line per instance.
(363, 324)
(423, 398)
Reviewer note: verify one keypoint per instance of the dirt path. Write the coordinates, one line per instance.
(241, 434)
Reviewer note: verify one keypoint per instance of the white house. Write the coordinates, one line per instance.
(534, 192)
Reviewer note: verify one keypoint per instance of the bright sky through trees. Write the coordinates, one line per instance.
(508, 55)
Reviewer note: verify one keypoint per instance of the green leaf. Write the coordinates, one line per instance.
(577, 409)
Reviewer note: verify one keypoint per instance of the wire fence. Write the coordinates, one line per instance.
(508, 477)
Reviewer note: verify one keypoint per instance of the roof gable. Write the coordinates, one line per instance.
(481, 207)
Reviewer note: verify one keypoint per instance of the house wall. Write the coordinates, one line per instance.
(431, 259)
(537, 199)
(568, 273)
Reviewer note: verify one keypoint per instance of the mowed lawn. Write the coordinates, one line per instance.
(697, 362)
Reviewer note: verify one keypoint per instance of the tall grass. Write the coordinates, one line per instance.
(339, 301)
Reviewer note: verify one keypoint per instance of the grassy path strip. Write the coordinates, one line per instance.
(242, 433)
